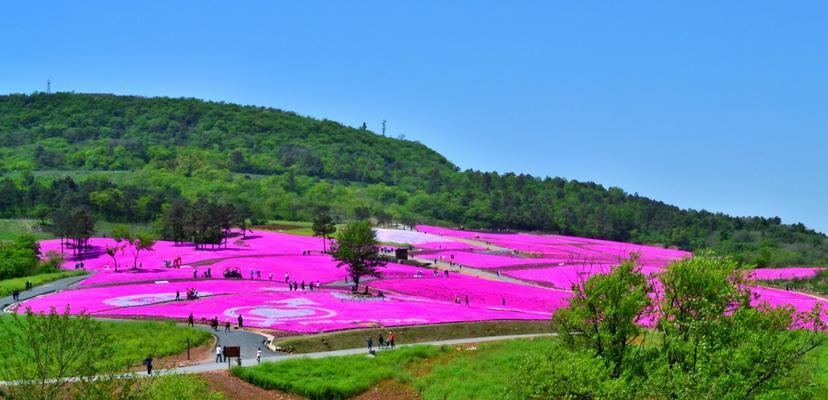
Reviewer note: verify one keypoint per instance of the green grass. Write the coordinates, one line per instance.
(135, 340)
(337, 377)
(484, 373)
(411, 334)
(12, 228)
(7, 285)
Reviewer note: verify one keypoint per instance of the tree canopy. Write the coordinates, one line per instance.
(357, 249)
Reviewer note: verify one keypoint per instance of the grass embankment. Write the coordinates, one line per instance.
(445, 372)
(338, 377)
(133, 341)
(8, 285)
(411, 334)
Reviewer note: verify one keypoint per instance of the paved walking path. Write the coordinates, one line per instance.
(251, 361)
(43, 289)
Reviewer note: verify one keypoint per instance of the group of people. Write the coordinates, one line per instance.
(382, 342)
(192, 294)
(16, 292)
(459, 301)
(208, 274)
(214, 323)
(295, 286)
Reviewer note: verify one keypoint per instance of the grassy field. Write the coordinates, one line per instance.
(484, 373)
(411, 334)
(302, 228)
(338, 377)
(12, 228)
(7, 285)
(132, 341)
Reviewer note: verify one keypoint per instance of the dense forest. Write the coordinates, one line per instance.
(128, 159)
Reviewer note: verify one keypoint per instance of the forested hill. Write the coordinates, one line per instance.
(107, 132)
(126, 158)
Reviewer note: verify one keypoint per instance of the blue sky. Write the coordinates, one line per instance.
(716, 105)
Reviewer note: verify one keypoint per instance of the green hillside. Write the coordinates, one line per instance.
(126, 158)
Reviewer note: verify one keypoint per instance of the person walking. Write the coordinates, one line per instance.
(218, 354)
(177, 295)
(241, 321)
(370, 344)
(287, 277)
(148, 363)
(391, 338)
(259, 356)
(467, 300)
(227, 326)
(190, 320)
(270, 275)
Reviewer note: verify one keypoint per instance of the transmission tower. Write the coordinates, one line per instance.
(383, 127)
(48, 86)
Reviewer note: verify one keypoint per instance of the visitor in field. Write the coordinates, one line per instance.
(381, 341)
(467, 300)
(148, 363)
(226, 326)
(241, 321)
(190, 320)
(259, 356)
(317, 284)
(270, 275)
(391, 340)
(303, 285)
(287, 278)
(195, 273)
(15, 295)
(310, 285)
(370, 344)
(177, 295)
(503, 301)
(218, 354)
(251, 274)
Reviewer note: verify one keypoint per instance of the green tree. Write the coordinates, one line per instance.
(357, 249)
(141, 241)
(324, 227)
(50, 349)
(604, 314)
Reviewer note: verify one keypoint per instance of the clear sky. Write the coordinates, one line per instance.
(720, 105)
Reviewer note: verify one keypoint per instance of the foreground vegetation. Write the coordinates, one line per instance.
(149, 152)
(59, 355)
(705, 339)
(128, 343)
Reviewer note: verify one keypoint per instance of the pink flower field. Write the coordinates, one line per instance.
(769, 274)
(537, 274)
